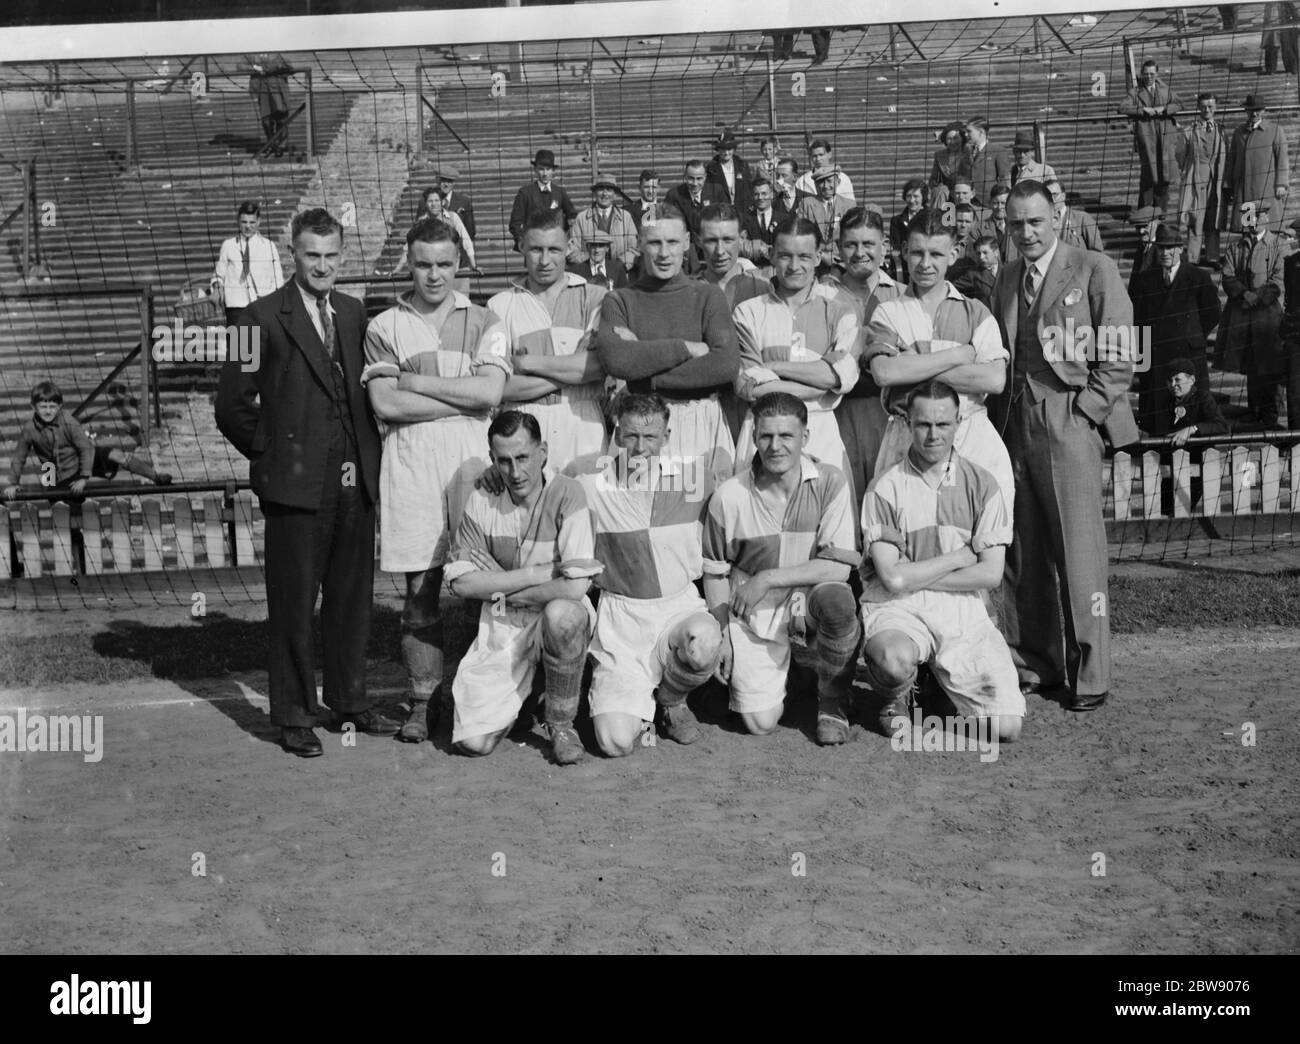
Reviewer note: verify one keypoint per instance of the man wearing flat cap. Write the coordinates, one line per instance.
(1258, 167)
(599, 268)
(454, 202)
(729, 175)
(825, 211)
(1147, 221)
(1026, 167)
(604, 215)
(540, 195)
(1179, 303)
(1152, 107)
(1250, 338)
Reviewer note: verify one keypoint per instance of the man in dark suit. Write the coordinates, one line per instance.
(728, 174)
(758, 224)
(1062, 396)
(1178, 303)
(599, 267)
(455, 202)
(540, 195)
(302, 419)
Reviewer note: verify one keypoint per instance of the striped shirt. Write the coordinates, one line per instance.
(531, 329)
(740, 284)
(885, 289)
(902, 325)
(818, 323)
(923, 522)
(649, 523)
(742, 535)
(403, 340)
(557, 528)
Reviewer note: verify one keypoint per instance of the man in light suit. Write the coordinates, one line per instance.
(301, 417)
(1202, 157)
(1053, 418)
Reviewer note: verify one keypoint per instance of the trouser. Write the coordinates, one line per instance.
(330, 549)
(1059, 538)
(1202, 228)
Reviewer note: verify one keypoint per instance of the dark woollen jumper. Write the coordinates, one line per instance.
(664, 315)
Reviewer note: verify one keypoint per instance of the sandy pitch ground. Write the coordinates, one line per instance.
(385, 847)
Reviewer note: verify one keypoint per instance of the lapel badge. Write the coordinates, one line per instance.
(1073, 297)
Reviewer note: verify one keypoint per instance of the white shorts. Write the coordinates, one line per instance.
(698, 428)
(496, 674)
(824, 442)
(976, 440)
(425, 476)
(953, 633)
(573, 430)
(759, 668)
(630, 648)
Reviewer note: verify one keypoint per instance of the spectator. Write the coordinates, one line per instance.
(996, 225)
(989, 166)
(599, 267)
(540, 194)
(1202, 161)
(431, 206)
(821, 155)
(1177, 305)
(1186, 409)
(975, 278)
(770, 151)
(728, 174)
(1147, 222)
(248, 264)
(69, 460)
(950, 162)
(825, 211)
(964, 224)
(963, 191)
(1252, 279)
(787, 188)
(648, 205)
(689, 200)
(1076, 227)
(268, 83)
(914, 201)
(1280, 34)
(1026, 166)
(1152, 107)
(604, 215)
(1259, 168)
(758, 230)
(454, 202)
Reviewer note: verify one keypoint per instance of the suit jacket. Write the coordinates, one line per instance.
(530, 199)
(287, 436)
(1181, 316)
(989, 168)
(1202, 160)
(754, 232)
(1258, 166)
(680, 198)
(743, 195)
(615, 273)
(458, 203)
(622, 228)
(1085, 287)
(1079, 228)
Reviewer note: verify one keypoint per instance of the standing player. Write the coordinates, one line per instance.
(800, 339)
(778, 547)
(930, 331)
(548, 318)
(655, 641)
(527, 553)
(936, 531)
(860, 414)
(672, 335)
(436, 367)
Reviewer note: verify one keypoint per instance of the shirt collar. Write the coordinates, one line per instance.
(521, 284)
(1044, 262)
(951, 293)
(310, 299)
(458, 300)
(807, 467)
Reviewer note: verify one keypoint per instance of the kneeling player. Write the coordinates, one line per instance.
(527, 553)
(655, 641)
(936, 530)
(778, 547)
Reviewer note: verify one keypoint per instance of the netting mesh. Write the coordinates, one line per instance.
(133, 170)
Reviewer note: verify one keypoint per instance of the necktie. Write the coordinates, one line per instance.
(1031, 284)
(1169, 278)
(243, 250)
(327, 324)
(599, 274)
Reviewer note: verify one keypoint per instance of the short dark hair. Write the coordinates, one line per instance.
(911, 185)
(432, 230)
(987, 241)
(642, 404)
(794, 225)
(1207, 96)
(668, 212)
(770, 140)
(1029, 187)
(318, 221)
(999, 190)
(930, 222)
(424, 196)
(249, 207)
(694, 163)
(780, 404)
(980, 122)
(47, 391)
(861, 217)
(545, 221)
(719, 212)
(508, 422)
(964, 208)
(760, 181)
(933, 389)
(820, 143)
(1150, 62)
(963, 180)
(794, 163)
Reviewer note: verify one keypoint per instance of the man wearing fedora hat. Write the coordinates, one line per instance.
(1026, 167)
(1147, 221)
(1152, 107)
(604, 215)
(1258, 166)
(729, 175)
(1179, 304)
(540, 194)
(825, 211)
(454, 202)
(1250, 338)
(599, 268)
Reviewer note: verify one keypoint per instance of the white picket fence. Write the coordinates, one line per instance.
(178, 531)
